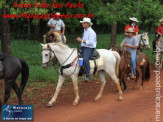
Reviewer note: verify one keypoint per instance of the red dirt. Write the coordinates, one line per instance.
(137, 106)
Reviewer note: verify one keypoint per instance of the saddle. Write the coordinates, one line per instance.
(95, 55)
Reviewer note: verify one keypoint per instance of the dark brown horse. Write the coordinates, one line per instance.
(143, 71)
(12, 67)
(124, 68)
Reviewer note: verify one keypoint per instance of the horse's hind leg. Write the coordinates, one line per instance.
(17, 91)
(59, 85)
(75, 84)
(103, 81)
(8, 86)
(116, 80)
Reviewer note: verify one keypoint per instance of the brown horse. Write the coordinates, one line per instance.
(143, 71)
(54, 36)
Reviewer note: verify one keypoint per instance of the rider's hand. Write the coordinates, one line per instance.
(79, 39)
(53, 26)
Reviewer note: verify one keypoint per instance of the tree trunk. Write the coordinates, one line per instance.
(37, 30)
(114, 28)
(29, 29)
(5, 32)
(137, 11)
(113, 34)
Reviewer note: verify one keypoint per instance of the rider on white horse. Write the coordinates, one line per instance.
(131, 44)
(88, 44)
(158, 35)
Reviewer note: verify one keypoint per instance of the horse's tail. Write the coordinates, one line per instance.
(25, 74)
(118, 59)
(147, 72)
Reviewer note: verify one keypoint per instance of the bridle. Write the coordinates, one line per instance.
(61, 65)
(50, 54)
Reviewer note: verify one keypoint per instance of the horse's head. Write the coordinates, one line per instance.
(47, 55)
(144, 40)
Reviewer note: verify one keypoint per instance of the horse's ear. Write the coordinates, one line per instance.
(48, 46)
(42, 44)
(146, 32)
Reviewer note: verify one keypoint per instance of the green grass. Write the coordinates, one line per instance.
(31, 52)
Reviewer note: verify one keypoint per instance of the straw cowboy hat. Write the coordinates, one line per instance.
(134, 19)
(57, 13)
(87, 20)
(130, 30)
(161, 20)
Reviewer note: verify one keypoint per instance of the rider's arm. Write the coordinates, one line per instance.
(159, 30)
(49, 24)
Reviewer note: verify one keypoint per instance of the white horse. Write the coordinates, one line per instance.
(68, 56)
(143, 41)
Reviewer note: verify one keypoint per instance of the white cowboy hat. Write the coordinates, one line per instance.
(134, 19)
(87, 20)
(161, 20)
(57, 13)
(130, 30)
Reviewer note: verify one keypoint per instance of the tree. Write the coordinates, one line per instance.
(5, 31)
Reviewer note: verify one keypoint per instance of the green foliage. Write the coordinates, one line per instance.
(31, 52)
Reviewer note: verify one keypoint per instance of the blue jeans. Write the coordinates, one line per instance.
(86, 55)
(133, 62)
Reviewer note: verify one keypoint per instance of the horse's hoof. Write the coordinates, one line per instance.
(120, 98)
(49, 105)
(141, 88)
(95, 100)
(74, 103)
(124, 90)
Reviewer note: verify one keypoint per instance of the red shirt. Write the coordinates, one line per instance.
(135, 28)
(160, 29)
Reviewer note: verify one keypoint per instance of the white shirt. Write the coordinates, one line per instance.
(90, 37)
(58, 23)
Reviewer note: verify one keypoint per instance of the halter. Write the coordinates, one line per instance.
(50, 53)
(61, 65)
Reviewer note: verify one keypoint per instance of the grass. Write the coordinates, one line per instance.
(31, 52)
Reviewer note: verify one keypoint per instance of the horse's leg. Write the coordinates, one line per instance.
(75, 84)
(143, 77)
(103, 81)
(135, 82)
(112, 74)
(122, 79)
(140, 76)
(59, 85)
(8, 86)
(17, 91)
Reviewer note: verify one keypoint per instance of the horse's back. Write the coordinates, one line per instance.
(108, 55)
(12, 66)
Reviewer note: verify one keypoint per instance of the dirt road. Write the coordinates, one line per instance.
(137, 106)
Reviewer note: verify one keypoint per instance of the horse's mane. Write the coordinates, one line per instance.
(59, 44)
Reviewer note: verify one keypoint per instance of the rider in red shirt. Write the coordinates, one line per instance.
(132, 24)
(158, 35)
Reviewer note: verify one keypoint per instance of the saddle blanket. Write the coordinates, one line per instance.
(99, 62)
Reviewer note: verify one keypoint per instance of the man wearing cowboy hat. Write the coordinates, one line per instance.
(132, 24)
(158, 35)
(56, 24)
(131, 44)
(88, 44)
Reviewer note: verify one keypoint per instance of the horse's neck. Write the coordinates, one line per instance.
(66, 56)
